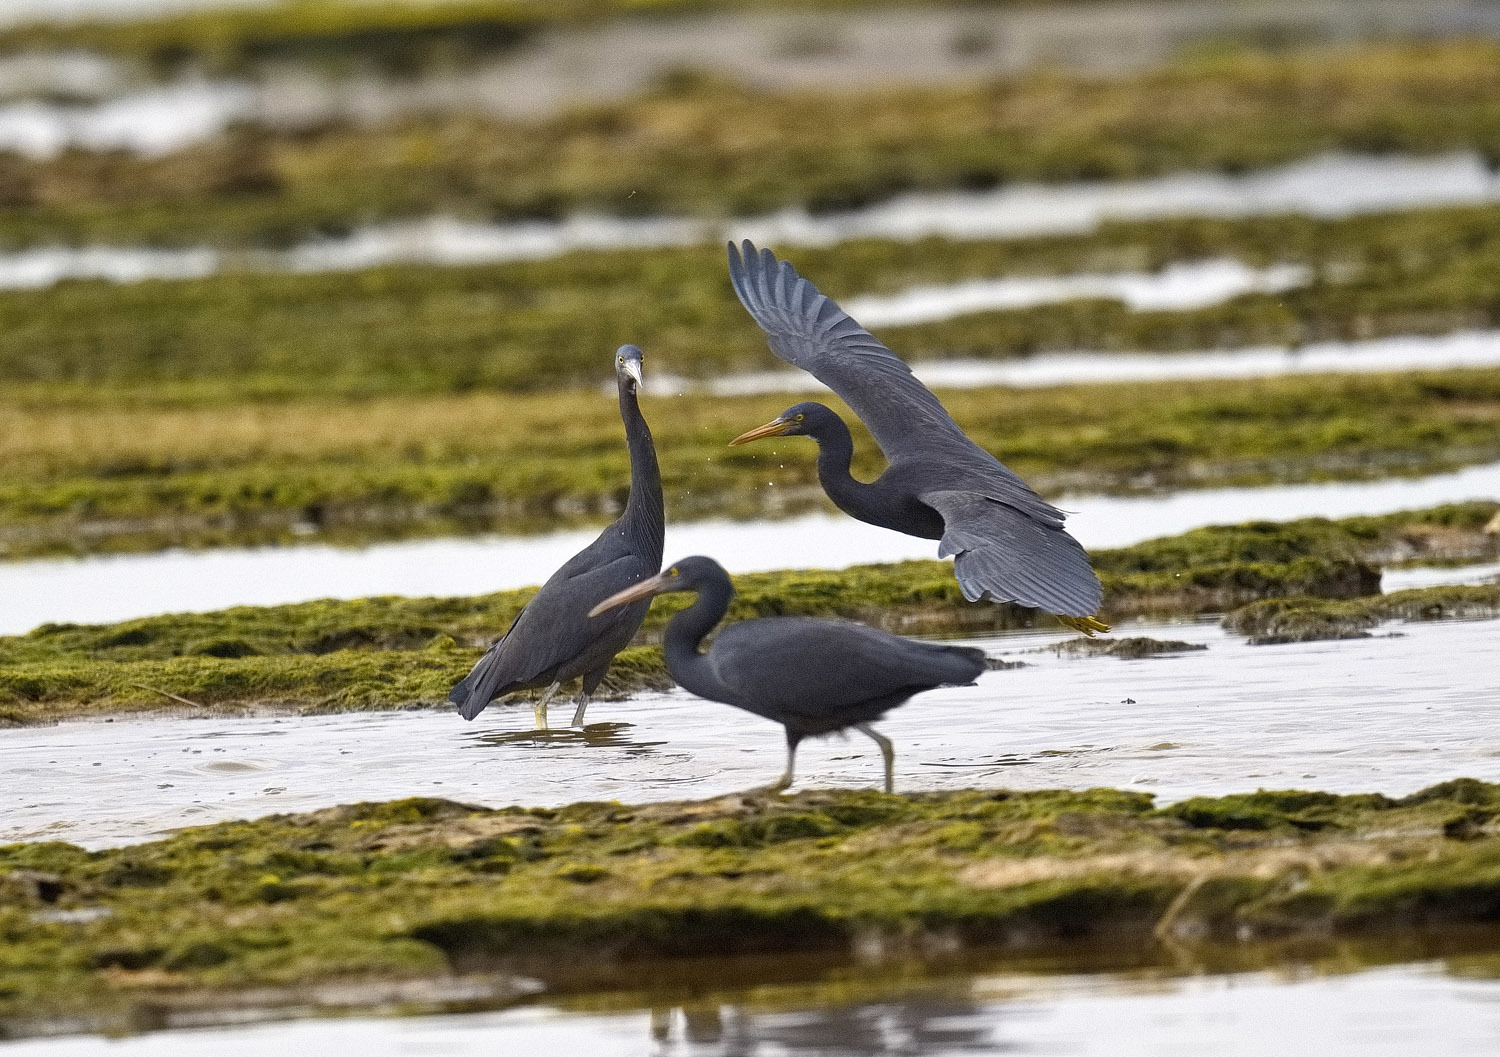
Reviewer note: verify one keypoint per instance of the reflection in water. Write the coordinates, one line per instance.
(1442, 1008)
(594, 736)
(918, 1025)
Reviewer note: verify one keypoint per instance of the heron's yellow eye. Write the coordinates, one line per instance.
(800, 418)
(673, 571)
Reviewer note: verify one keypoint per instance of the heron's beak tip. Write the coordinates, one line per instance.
(633, 593)
(774, 428)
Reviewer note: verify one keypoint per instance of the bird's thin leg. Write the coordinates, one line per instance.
(887, 752)
(540, 708)
(583, 706)
(791, 762)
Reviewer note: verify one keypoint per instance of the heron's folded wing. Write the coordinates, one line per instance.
(1002, 554)
(808, 330)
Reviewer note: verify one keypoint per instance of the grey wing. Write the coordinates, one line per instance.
(1006, 556)
(553, 629)
(808, 330)
(813, 668)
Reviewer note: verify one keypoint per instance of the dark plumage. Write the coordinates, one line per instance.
(1008, 543)
(811, 676)
(554, 639)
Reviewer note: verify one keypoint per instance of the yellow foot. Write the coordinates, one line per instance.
(1087, 625)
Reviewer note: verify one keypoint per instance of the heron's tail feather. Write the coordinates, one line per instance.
(1086, 625)
(487, 681)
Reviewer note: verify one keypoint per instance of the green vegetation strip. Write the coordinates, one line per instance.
(419, 889)
(383, 653)
(81, 473)
(1304, 619)
(697, 146)
(547, 324)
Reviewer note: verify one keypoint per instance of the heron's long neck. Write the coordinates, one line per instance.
(686, 631)
(643, 520)
(835, 453)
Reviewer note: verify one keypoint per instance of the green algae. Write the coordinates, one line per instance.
(354, 471)
(381, 653)
(703, 147)
(1280, 620)
(422, 888)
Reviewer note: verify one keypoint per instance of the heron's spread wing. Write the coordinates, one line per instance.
(808, 330)
(1001, 554)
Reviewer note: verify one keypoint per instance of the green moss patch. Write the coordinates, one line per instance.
(1279, 620)
(419, 889)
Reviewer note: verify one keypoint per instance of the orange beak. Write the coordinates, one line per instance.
(775, 428)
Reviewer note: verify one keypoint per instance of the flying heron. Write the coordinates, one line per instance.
(812, 676)
(1009, 544)
(556, 638)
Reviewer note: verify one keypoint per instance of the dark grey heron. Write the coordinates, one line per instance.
(811, 676)
(555, 638)
(1008, 543)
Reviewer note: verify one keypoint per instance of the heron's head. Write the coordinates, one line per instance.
(686, 575)
(800, 420)
(628, 359)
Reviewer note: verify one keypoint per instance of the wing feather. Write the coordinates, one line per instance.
(1002, 555)
(809, 330)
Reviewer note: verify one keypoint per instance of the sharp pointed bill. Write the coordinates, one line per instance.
(656, 585)
(1008, 543)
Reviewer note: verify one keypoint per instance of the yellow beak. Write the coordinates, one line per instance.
(634, 593)
(775, 428)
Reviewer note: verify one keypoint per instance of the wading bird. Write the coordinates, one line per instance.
(1008, 543)
(811, 676)
(555, 638)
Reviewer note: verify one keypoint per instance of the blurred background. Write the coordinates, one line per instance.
(348, 272)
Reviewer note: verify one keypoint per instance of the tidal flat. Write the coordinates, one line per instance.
(700, 146)
(587, 895)
(143, 470)
(382, 653)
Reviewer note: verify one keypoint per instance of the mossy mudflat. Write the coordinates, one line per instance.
(701, 147)
(416, 889)
(1279, 620)
(117, 470)
(380, 653)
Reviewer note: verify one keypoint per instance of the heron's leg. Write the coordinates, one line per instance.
(887, 752)
(539, 710)
(791, 762)
(591, 681)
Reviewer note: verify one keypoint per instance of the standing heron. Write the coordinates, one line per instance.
(811, 676)
(1009, 544)
(555, 638)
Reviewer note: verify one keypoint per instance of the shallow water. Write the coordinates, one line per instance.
(151, 123)
(1177, 287)
(118, 587)
(1465, 349)
(1439, 576)
(1448, 1009)
(1390, 714)
(1328, 186)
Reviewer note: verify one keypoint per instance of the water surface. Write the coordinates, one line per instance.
(1447, 1008)
(1331, 185)
(1393, 713)
(118, 587)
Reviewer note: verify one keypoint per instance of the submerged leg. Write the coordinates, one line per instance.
(583, 705)
(887, 752)
(539, 710)
(791, 763)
